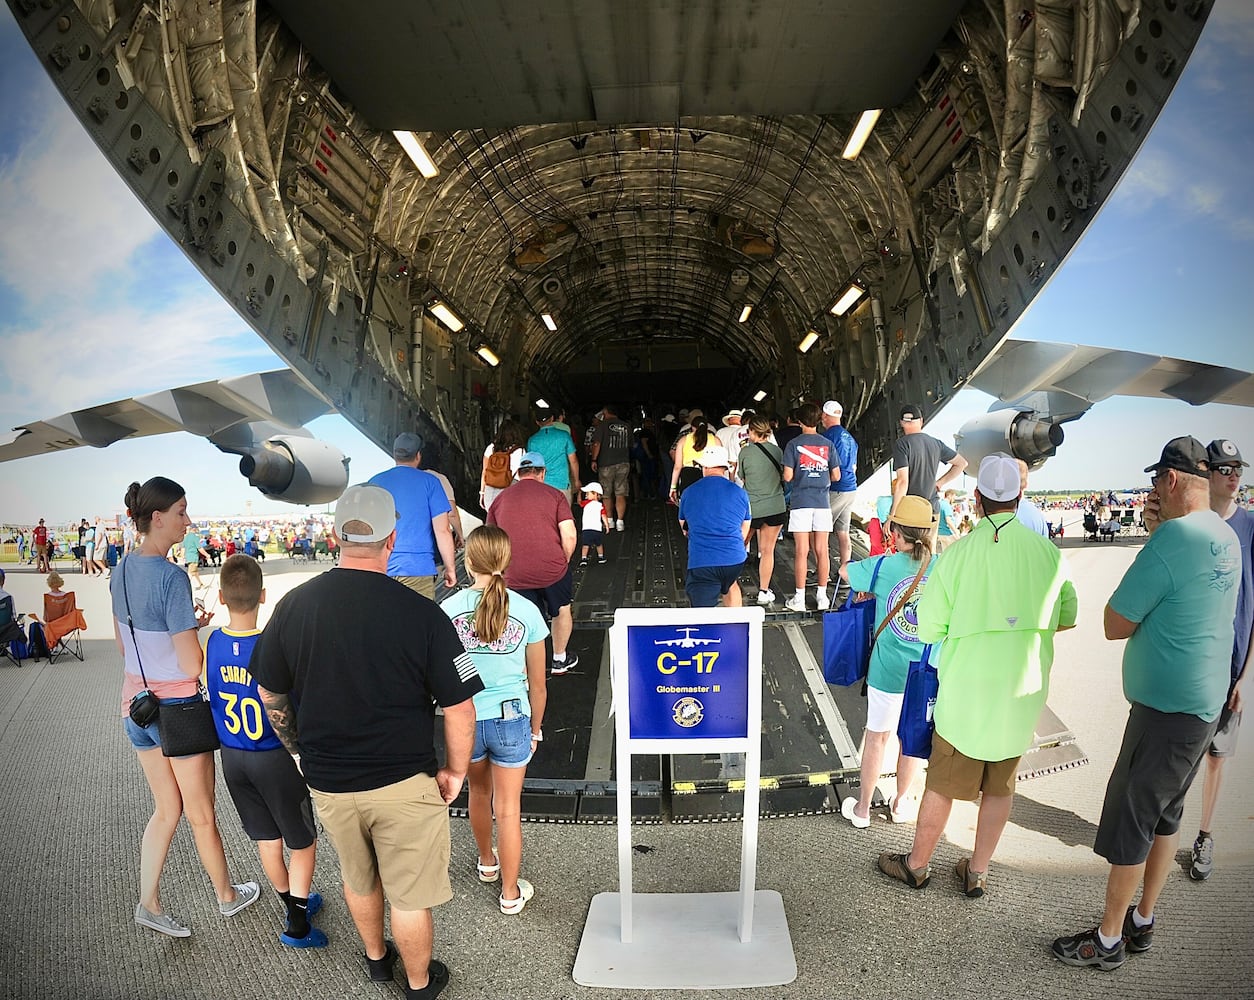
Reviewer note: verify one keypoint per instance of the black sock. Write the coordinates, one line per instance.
(297, 916)
(285, 896)
(1203, 833)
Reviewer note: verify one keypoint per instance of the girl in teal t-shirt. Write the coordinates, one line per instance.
(504, 634)
(898, 587)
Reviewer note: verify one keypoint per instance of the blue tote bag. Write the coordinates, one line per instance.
(915, 727)
(847, 638)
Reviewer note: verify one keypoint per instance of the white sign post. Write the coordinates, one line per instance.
(687, 680)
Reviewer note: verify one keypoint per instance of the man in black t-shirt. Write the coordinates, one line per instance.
(350, 668)
(611, 461)
(916, 459)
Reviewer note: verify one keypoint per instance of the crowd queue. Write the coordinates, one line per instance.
(301, 720)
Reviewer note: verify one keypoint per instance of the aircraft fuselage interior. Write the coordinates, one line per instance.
(439, 213)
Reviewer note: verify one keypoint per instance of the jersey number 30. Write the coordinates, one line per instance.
(242, 713)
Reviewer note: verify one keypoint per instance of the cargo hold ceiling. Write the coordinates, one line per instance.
(639, 171)
(445, 65)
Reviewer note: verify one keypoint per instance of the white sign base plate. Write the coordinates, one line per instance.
(685, 941)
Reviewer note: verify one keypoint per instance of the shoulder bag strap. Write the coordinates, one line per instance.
(778, 468)
(131, 625)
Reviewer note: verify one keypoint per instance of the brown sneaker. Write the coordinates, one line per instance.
(972, 882)
(898, 866)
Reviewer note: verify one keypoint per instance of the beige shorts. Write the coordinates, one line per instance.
(953, 774)
(424, 585)
(615, 479)
(397, 834)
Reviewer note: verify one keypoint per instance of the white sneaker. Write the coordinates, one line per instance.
(821, 600)
(766, 597)
(795, 603)
(904, 810)
(618, 525)
(846, 810)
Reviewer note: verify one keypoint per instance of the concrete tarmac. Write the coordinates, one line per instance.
(73, 803)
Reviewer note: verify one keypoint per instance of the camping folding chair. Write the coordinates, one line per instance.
(63, 625)
(10, 631)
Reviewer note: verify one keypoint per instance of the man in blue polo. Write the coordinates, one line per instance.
(843, 490)
(1175, 606)
(422, 529)
(714, 515)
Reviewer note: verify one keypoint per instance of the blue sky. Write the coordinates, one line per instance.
(97, 304)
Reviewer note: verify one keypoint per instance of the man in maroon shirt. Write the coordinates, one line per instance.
(542, 534)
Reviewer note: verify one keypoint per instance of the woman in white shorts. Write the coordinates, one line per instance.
(900, 583)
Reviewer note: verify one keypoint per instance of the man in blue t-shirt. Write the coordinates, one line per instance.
(841, 493)
(714, 515)
(1175, 606)
(1226, 467)
(422, 527)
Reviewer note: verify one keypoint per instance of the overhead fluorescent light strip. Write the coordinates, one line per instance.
(861, 132)
(446, 316)
(488, 355)
(744, 313)
(549, 321)
(808, 341)
(542, 403)
(418, 153)
(852, 293)
(759, 395)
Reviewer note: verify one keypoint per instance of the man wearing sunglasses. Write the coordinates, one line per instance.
(1175, 606)
(1226, 468)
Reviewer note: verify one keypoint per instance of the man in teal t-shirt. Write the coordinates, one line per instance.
(193, 545)
(1175, 606)
(554, 442)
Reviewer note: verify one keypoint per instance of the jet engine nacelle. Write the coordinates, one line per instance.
(1021, 433)
(296, 469)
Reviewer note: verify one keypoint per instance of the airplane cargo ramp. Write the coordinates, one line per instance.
(811, 730)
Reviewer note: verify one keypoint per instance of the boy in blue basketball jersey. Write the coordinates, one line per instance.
(265, 783)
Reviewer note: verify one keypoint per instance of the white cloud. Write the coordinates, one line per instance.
(93, 356)
(69, 220)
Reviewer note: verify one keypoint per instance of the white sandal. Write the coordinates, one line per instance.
(489, 873)
(513, 906)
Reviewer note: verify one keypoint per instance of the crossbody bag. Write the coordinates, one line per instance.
(186, 728)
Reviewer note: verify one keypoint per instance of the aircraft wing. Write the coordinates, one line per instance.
(1073, 377)
(1040, 386)
(234, 414)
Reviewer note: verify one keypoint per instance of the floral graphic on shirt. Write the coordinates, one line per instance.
(905, 623)
(509, 641)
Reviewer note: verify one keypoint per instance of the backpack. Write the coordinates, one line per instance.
(496, 470)
(37, 644)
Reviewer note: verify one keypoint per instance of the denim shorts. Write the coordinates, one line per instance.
(149, 738)
(504, 742)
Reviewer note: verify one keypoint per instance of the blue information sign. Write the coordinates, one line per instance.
(689, 681)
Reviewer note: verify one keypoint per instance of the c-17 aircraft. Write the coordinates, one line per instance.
(438, 213)
(687, 641)
(646, 202)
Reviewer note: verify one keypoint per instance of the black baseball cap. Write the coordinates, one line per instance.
(911, 412)
(1184, 454)
(1221, 451)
